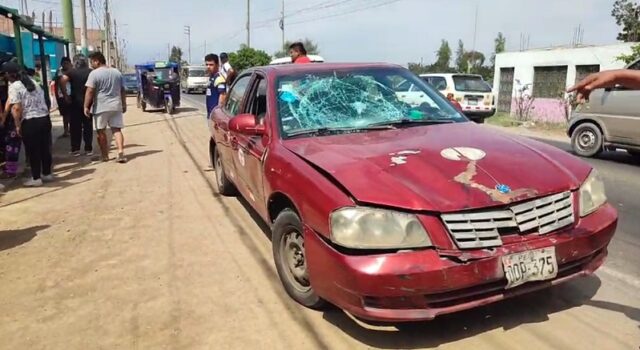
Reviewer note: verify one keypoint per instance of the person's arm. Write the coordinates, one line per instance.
(88, 101)
(606, 79)
(88, 95)
(64, 81)
(123, 96)
(14, 101)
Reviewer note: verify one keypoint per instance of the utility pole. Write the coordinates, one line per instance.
(115, 40)
(107, 31)
(83, 28)
(475, 37)
(282, 24)
(187, 31)
(248, 23)
(69, 26)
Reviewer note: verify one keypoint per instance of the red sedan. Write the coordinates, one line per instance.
(395, 210)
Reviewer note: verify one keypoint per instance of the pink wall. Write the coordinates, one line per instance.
(548, 110)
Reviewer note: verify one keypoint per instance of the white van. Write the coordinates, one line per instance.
(194, 79)
(287, 60)
(471, 91)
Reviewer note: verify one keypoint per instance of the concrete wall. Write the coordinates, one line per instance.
(524, 63)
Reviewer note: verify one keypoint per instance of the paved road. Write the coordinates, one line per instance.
(147, 256)
(621, 174)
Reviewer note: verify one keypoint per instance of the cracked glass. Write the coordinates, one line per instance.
(356, 99)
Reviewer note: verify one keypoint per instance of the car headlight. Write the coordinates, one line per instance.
(369, 228)
(592, 194)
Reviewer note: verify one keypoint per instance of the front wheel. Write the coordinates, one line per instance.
(168, 106)
(225, 186)
(587, 140)
(290, 259)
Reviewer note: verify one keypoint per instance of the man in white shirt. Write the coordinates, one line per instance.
(226, 70)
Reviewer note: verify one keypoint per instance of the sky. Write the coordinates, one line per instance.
(399, 31)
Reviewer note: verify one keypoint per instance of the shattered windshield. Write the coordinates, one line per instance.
(358, 99)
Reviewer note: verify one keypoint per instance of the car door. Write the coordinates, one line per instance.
(250, 155)
(223, 136)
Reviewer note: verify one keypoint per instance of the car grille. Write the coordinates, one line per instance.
(482, 229)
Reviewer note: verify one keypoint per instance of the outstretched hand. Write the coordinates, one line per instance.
(592, 82)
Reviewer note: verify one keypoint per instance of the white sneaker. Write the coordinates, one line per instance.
(48, 178)
(33, 183)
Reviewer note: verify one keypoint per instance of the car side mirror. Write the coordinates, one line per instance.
(246, 124)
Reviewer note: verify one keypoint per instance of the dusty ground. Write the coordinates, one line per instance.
(147, 256)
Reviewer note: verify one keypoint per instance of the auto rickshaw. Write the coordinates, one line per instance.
(159, 86)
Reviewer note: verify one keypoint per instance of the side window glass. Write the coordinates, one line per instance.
(236, 94)
(259, 103)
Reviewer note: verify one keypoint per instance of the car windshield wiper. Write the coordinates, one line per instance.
(410, 122)
(336, 130)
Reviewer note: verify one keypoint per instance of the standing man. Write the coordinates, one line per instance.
(298, 53)
(217, 88)
(226, 70)
(106, 100)
(62, 94)
(81, 126)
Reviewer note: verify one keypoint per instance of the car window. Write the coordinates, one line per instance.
(259, 100)
(356, 99)
(236, 94)
(635, 65)
(196, 73)
(404, 86)
(438, 83)
(470, 83)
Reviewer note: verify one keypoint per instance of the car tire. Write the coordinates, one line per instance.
(289, 257)
(225, 186)
(587, 140)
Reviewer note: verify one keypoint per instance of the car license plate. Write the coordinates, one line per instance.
(472, 102)
(529, 266)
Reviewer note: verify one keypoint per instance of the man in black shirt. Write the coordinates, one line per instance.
(81, 126)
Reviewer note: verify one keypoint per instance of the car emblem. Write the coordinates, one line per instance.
(502, 188)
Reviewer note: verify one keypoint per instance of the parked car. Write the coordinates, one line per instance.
(131, 84)
(609, 120)
(287, 60)
(395, 212)
(474, 94)
(194, 79)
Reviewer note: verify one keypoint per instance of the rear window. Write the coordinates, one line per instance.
(130, 78)
(196, 73)
(470, 83)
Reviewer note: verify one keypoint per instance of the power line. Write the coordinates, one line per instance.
(388, 2)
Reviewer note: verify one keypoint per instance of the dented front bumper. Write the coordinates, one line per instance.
(420, 285)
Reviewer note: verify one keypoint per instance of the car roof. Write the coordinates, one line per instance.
(317, 67)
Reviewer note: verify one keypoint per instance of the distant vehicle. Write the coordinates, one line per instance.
(609, 120)
(130, 84)
(399, 212)
(287, 60)
(194, 79)
(159, 86)
(473, 93)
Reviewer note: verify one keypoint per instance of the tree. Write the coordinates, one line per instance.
(461, 62)
(309, 45)
(627, 15)
(176, 55)
(474, 60)
(247, 57)
(500, 46)
(632, 57)
(443, 57)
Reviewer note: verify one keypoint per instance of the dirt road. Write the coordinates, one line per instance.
(147, 256)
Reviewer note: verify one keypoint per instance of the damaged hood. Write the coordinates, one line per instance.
(441, 168)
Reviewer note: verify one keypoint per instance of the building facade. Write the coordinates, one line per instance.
(543, 75)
